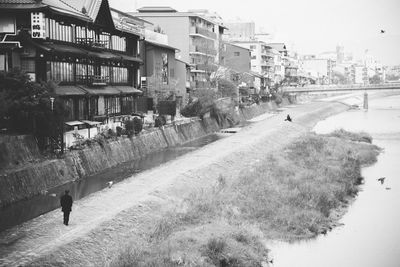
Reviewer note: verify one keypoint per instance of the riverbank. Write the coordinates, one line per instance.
(105, 221)
(287, 195)
(24, 172)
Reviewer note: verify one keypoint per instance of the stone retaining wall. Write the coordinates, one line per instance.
(33, 174)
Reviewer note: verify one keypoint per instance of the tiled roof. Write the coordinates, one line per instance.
(18, 2)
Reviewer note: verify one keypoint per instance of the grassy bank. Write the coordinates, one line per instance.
(289, 195)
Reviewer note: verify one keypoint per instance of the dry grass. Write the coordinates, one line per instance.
(289, 195)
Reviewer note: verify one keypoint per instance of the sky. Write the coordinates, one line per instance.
(308, 26)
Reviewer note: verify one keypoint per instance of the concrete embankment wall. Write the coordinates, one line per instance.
(27, 174)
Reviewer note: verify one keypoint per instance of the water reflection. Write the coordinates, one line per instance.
(27, 209)
(370, 235)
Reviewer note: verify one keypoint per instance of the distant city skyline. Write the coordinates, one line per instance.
(309, 26)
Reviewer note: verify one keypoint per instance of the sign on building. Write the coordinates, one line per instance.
(38, 25)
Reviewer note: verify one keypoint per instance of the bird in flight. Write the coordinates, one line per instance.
(382, 31)
(382, 179)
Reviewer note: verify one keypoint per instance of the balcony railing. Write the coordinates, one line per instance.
(93, 80)
(268, 64)
(204, 32)
(204, 50)
(92, 42)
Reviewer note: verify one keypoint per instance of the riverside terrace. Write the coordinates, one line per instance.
(89, 51)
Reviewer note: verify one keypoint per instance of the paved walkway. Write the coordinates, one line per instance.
(45, 235)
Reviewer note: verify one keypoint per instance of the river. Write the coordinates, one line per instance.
(25, 210)
(370, 235)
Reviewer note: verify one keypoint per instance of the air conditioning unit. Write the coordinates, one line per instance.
(143, 82)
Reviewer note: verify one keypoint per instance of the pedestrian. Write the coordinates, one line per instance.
(66, 206)
(288, 118)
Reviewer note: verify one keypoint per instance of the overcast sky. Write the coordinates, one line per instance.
(308, 26)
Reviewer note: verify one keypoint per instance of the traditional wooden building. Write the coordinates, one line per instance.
(89, 50)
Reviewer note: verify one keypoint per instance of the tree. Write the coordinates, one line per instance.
(375, 79)
(227, 88)
(26, 106)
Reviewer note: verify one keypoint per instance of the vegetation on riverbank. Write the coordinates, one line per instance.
(287, 195)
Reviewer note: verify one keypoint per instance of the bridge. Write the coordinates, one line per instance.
(339, 88)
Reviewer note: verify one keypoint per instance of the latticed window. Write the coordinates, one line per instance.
(61, 71)
(112, 105)
(58, 31)
(119, 75)
(118, 43)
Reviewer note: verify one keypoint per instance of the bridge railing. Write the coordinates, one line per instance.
(334, 87)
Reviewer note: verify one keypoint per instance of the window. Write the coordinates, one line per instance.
(236, 54)
(253, 57)
(3, 65)
(118, 43)
(94, 106)
(28, 65)
(57, 31)
(252, 47)
(119, 75)
(82, 108)
(127, 105)
(112, 105)
(61, 72)
(164, 57)
(69, 106)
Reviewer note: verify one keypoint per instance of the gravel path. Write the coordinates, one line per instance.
(106, 219)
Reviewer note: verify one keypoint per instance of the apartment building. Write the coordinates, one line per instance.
(197, 37)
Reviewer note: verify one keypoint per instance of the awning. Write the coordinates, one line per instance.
(128, 58)
(102, 55)
(106, 90)
(69, 90)
(61, 48)
(128, 90)
(73, 123)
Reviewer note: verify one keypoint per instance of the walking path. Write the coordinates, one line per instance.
(105, 219)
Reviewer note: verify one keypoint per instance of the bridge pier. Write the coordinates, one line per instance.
(365, 100)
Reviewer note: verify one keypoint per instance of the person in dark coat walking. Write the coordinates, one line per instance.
(66, 206)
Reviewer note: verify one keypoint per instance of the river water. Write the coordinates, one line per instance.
(370, 235)
(28, 209)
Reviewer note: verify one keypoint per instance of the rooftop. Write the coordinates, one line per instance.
(156, 9)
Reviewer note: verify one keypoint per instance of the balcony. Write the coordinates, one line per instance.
(203, 31)
(267, 64)
(204, 49)
(93, 80)
(267, 54)
(92, 42)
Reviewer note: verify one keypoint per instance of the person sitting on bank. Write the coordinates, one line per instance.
(288, 118)
(66, 206)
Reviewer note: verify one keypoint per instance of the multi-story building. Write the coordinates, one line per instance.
(159, 80)
(236, 57)
(319, 68)
(197, 37)
(359, 74)
(262, 58)
(90, 51)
